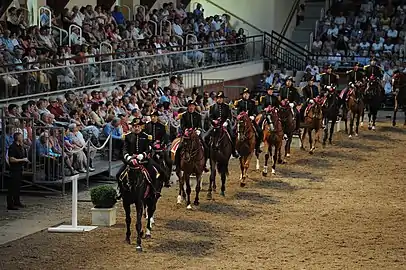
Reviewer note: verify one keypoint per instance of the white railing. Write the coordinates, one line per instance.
(61, 32)
(44, 9)
(70, 34)
(110, 47)
(189, 37)
(135, 10)
(128, 9)
(161, 26)
(322, 13)
(180, 38)
(316, 28)
(155, 27)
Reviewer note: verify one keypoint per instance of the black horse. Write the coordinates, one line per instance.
(137, 187)
(330, 108)
(220, 146)
(373, 98)
(399, 90)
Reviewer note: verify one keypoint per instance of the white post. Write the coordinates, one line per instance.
(73, 228)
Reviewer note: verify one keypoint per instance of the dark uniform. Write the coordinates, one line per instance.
(309, 92)
(373, 70)
(293, 96)
(250, 107)
(16, 170)
(355, 75)
(269, 100)
(222, 112)
(157, 132)
(328, 79)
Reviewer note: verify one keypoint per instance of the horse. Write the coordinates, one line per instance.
(219, 153)
(192, 161)
(399, 90)
(273, 138)
(135, 188)
(174, 147)
(373, 97)
(355, 105)
(245, 144)
(330, 110)
(288, 125)
(313, 120)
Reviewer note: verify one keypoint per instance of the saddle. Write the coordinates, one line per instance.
(123, 179)
(318, 100)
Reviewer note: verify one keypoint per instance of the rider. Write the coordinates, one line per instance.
(373, 69)
(291, 94)
(355, 75)
(191, 119)
(310, 91)
(137, 145)
(221, 111)
(158, 133)
(250, 106)
(329, 78)
(268, 100)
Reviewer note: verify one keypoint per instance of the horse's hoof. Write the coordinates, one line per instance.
(329, 142)
(362, 124)
(209, 196)
(356, 134)
(302, 148)
(369, 127)
(148, 236)
(128, 241)
(242, 184)
(189, 207)
(273, 171)
(280, 161)
(373, 128)
(350, 136)
(323, 144)
(288, 155)
(393, 124)
(196, 203)
(138, 248)
(222, 193)
(264, 174)
(311, 152)
(179, 201)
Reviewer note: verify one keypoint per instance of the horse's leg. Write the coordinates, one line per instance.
(242, 168)
(374, 115)
(325, 131)
(333, 123)
(345, 116)
(362, 116)
(139, 208)
(151, 210)
(395, 110)
(198, 187)
(288, 144)
(275, 156)
(370, 119)
(127, 209)
(181, 187)
(280, 160)
(357, 124)
(302, 138)
(212, 179)
(267, 155)
(188, 190)
(309, 133)
(352, 115)
(223, 183)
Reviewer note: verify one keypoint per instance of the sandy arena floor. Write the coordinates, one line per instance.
(342, 208)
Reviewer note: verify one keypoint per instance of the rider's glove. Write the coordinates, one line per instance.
(140, 157)
(225, 124)
(252, 118)
(198, 132)
(311, 101)
(291, 105)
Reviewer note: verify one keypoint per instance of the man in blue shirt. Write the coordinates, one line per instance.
(116, 132)
(118, 16)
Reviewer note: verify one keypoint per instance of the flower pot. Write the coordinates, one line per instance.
(104, 216)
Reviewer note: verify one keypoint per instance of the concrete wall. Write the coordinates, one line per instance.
(267, 15)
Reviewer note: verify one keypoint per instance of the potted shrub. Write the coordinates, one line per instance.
(103, 198)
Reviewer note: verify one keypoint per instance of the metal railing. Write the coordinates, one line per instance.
(126, 68)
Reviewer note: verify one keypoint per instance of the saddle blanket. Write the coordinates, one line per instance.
(175, 145)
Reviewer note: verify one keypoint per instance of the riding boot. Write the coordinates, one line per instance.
(297, 129)
(232, 137)
(118, 175)
(258, 138)
(206, 153)
(177, 157)
(161, 171)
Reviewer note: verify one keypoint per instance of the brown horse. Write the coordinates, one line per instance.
(355, 105)
(399, 90)
(273, 138)
(313, 121)
(245, 144)
(191, 162)
(288, 125)
(220, 153)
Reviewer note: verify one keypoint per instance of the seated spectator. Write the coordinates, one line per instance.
(113, 128)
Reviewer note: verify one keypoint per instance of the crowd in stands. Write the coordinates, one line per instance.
(95, 116)
(372, 30)
(150, 34)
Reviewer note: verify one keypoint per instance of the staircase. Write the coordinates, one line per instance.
(302, 32)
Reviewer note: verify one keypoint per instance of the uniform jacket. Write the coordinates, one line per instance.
(190, 120)
(246, 105)
(157, 131)
(135, 144)
(220, 111)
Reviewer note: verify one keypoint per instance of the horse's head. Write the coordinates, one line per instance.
(217, 126)
(243, 123)
(157, 149)
(316, 111)
(285, 110)
(273, 113)
(398, 79)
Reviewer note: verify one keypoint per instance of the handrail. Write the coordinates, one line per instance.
(161, 27)
(235, 16)
(291, 43)
(61, 32)
(155, 26)
(322, 14)
(49, 14)
(188, 38)
(316, 28)
(108, 45)
(290, 17)
(311, 37)
(70, 33)
(129, 10)
(181, 38)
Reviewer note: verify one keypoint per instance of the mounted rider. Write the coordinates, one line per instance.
(157, 131)
(310, 92)
(329, 78)
(269, 100)
(137, 145)
(356, 74)
(374, 72)
(191, 119)
(222, 112)
(245, 104)
(291, 94)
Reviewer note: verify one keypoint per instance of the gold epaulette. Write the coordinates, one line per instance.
(322, 74)
(180, 115)
(367, 66)
(261, 99)
(124, 134)
(349, 71)
(256, 102)
(148, 136)
(236, 102)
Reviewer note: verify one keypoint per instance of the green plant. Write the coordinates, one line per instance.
(103, 196)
